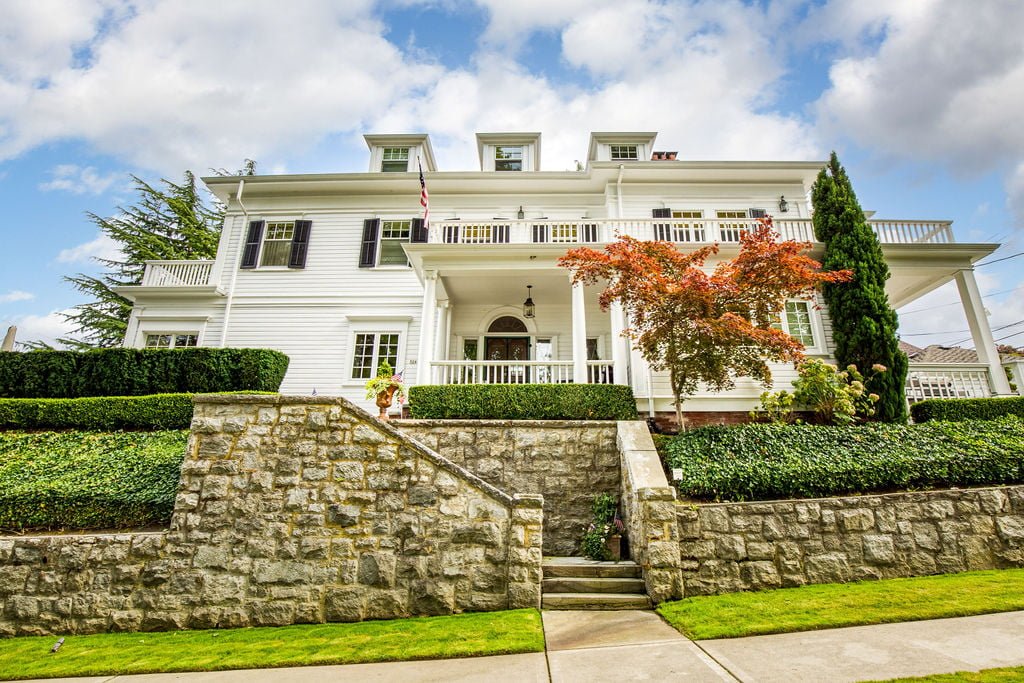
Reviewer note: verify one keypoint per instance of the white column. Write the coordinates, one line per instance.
(620, 348)
(442, 328)
(428, 321)
(579, 336)
(981, 333)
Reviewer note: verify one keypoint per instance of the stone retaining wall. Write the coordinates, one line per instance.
(290, 510)
(568, 463)
(732, 547)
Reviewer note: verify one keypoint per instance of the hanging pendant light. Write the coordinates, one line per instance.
(529, 309)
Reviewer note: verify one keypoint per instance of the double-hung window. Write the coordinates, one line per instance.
(625, 152)
(392, 235)
(732, 224)
(508, 158)
(796, 321)
(395, 160)
(172, 340)
(277, 244)
(370, 350)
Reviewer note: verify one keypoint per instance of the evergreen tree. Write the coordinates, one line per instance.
(863, 324)
(168, 223)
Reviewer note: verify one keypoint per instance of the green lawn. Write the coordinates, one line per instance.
(853, 604)
(1015, 673)
(464, 635)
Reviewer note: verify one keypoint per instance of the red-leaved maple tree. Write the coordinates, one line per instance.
(705, 327)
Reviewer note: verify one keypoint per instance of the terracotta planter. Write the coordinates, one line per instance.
(614, 545)
(384, 400)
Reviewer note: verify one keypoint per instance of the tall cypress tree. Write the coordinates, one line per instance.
(863, 324)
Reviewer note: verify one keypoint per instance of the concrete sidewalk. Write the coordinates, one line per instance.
(639, 646)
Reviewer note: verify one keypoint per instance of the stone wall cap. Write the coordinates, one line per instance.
(553, 424)
(78, 535)
(528, 500)
(922, 494)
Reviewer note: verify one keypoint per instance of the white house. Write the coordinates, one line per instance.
(338, 271)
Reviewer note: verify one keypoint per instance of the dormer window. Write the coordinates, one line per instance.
(625, 152)
(395, 160)
(508, 158)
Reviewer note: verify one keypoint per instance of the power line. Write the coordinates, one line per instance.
(954, 303)
(995, 329)
(1005, 258)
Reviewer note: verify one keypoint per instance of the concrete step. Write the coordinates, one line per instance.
(590, 584)
(581, 567)
(595, 601)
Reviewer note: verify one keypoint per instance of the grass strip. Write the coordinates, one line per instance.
(108, 654)
(1000, 675)
(810, 608)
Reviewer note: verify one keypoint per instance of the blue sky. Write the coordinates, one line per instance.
(920, 98)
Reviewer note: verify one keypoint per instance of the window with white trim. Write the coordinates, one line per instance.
(277, 243)
(370, 350)
(508, 158)
(689, 226)
(172, 340)
(395, 160)
(796, 321)
(625, 152)
(392, 235)
(732, 225)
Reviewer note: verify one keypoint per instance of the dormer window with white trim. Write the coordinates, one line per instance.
(395, 160)
(508, 158)
(625, 152)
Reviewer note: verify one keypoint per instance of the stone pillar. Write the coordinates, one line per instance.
(524, 553)
(579, 335)
(620, 345)
(981, 333)
(428, 321)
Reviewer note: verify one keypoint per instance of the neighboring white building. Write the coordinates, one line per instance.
(337, 270)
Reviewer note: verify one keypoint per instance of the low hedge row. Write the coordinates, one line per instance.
(956, 409)
(160, 411)
(764, 462)
(88, 480)
(523, 402)
(139, 372)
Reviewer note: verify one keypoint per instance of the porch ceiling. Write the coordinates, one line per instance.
(508, 288)
(916, 270)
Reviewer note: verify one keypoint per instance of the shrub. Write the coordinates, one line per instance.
(88, 480)
(523, 402)
(138, 372)
(763, 461)
(110, 413)
(957, 409)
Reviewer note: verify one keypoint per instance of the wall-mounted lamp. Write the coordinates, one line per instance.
(529, 309)
(520, 215)
(783, 204)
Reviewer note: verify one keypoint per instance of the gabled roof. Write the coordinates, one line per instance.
(509, 139)
(405, 140)
(612, 138)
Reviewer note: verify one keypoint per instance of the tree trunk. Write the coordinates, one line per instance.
(677, 394)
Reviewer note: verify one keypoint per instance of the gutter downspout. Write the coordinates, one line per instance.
(618, 190)
(234, 271)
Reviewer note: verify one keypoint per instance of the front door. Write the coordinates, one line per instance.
(507, 349)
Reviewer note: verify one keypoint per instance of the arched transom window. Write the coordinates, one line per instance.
(508, 324)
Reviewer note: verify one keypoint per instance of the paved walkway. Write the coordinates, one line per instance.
(639, 646)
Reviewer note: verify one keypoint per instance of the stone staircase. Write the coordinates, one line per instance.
(579, 583)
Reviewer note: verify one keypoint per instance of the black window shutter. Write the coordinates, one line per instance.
(368, 252)
(758, 213)
(418, 233)
(252, 244)
(661, 213)
(300, 244)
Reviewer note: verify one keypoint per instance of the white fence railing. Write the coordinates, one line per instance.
(177, 273)
(682, 230)
(516, 372)
(947, 380)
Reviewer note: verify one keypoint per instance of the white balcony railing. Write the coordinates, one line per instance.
(692, 231)
(516, 372)
(177, 273)
(947, 380)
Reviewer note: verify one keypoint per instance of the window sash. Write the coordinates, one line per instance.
(625, 152)
(395, 160)
(172, 340)
(799, 323)
(508, 158)
(277, 243)
(370, 350)
(392, 235)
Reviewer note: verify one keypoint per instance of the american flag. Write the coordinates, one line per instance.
(424, 197)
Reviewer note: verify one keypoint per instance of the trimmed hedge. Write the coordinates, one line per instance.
(957, 409)
(88, 480)
(139, 372)
(523, 402)
(765, 462)
(109, 413)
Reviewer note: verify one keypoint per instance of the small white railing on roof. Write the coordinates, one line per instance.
(177, 273)
(947, 380)
(681, 230)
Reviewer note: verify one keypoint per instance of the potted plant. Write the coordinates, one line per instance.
(384, 387)
(602, 540)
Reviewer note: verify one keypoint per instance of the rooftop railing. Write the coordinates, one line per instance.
(177, 273)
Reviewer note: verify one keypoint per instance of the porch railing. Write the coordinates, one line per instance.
(681, 230)
(177, 273)
(516, 372)
(947, 380)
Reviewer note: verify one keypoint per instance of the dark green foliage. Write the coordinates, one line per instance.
(139, 372)
(863, 324)
(523, 402)
(764, 462)
(958, 409)
(88, 480)
(105, 413)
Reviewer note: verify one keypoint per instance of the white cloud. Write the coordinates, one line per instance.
(46, 328)
(102, 247)
(78, 180)
(16, 295)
